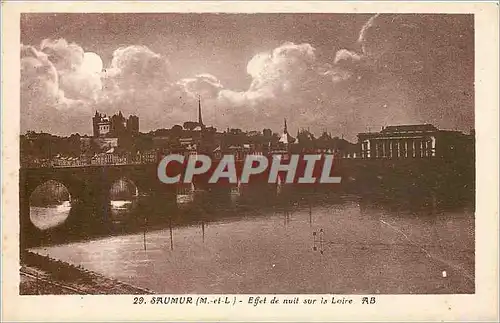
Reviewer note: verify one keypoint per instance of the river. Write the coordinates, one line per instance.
(345, 247)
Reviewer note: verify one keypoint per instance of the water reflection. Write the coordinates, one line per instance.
(185, 194)
(148, 212)
(120, 209)
(51, 216)
(123, 199)
(235, 192)
(359, 247)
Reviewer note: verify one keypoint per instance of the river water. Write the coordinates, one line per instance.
(349, 246)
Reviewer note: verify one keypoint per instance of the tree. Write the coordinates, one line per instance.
(177, 128)
(235, 131)
(190, 125)
(176, 132)
(267, 133)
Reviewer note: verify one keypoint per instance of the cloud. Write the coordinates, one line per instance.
(405, 66)
(344, 55)
(286, 81)
(80, 85)
(54, 84)
(78, 77)
(138, 66)
(389, 43)
(205, 85)
(406, 51)
(39, 77)
(64, 56)
(279, 69)
(276, 74)
(138, 81)
(136, 71)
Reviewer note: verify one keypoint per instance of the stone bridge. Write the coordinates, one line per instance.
(91, 185)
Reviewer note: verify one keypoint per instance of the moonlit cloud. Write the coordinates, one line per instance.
(64, 56)
(345, 55)
(137, 65)
(204, 85)
(275, 73)
(138, 82)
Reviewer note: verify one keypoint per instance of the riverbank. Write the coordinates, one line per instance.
(42, 275)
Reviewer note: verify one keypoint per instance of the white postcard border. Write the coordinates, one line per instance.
(481, 306)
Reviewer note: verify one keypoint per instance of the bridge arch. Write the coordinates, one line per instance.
(123, 188)
(49, 205)
(72, 182)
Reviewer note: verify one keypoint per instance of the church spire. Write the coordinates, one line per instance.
(200, 120)
(285, 136)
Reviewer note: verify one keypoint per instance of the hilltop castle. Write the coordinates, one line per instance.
(115, 126)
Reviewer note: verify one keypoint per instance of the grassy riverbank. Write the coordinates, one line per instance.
(42, 275)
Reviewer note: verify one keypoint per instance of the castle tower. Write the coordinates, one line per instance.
(95, 124)
(133, 125)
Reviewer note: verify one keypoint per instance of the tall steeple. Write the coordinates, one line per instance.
(284, 136)
(200, 120)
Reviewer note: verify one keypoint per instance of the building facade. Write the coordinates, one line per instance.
(413, 141)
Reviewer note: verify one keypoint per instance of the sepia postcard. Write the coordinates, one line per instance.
(249, 161)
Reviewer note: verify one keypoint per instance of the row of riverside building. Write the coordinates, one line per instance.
(113, 136)
(398, 141)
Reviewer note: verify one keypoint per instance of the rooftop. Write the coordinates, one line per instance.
(409, 128)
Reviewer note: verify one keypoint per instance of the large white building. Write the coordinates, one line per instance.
(411, 141)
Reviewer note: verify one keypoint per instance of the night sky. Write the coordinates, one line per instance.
(343, 73)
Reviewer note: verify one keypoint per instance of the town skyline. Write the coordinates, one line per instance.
(346, 73)
(275, 131)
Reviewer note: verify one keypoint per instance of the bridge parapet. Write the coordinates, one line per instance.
(97, 160)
